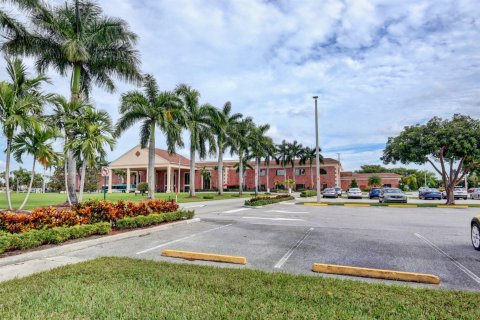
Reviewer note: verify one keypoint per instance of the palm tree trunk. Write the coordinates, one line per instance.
(192, 171)
(294, 187)
(29, 186)
(257, 174)
(71, 177)
(220, 170)
(66, 181)
(311, 175)
(82, 181)
(240, 173)
(7, 173)
(151, 163)
(43, 179)
(284, 176)
(268, 169)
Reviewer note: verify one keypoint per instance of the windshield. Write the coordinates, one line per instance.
(329, 190)
(393, 191)
(432, 190)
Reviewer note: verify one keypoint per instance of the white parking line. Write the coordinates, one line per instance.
(274, 219)
(236, 210)
(455, 262)
(289, 252)
(181, 239)
(285, 211)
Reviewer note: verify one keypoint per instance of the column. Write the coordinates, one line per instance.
(128, 180)
(169, 179)
(110, 176)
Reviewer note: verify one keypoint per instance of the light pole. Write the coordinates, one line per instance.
(317, 156)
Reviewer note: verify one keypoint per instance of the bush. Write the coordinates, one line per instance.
(308, 193)
(142, 187)
(35, 238)
(208, 197)
(261, 201)
(154, 218)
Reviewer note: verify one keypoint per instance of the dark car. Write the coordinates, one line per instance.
(374, 193)
(430, 194)
(475, 225)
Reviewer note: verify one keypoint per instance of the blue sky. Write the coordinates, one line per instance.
(375, 65)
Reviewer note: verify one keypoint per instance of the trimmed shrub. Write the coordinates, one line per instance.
(35, 238)
(208, 197)
(152, 219)
(308, 193)
(261, 201)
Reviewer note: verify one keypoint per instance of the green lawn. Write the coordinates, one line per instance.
(123, 288)
(42, 200)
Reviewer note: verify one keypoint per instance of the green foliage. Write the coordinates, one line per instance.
(262, 201)
(208, 197)
(372, 168)
(35, 238)
(142, 187)
(354, 183)
(152, 219)
(374, 181)
(308, 193)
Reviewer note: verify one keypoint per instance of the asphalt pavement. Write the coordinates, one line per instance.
(289, 238)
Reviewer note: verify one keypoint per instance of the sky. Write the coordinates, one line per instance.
(376, 66)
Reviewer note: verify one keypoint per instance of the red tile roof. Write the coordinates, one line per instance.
(172, 158)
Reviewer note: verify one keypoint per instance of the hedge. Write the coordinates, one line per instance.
(262, 201)
(308, 193)
(152, 219)
(35, 238)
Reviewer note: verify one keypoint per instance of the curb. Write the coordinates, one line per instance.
(62, 249)
(356, 205)
(189, 255)
(321, 204)
(386, 205)
(376, 273)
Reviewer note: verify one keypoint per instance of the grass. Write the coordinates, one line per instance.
(124, 288)
(37, 200)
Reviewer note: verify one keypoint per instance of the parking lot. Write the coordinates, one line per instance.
(290, 238)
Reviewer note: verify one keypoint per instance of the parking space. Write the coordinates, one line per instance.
(290, 238)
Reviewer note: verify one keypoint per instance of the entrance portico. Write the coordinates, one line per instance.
(171, 170)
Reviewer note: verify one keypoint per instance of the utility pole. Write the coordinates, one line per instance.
(317, 156)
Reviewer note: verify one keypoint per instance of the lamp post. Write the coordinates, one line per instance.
(317, 156)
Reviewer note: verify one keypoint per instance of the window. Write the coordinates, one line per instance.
(263, 173)
(299, 172)
(187, 178)
(280, 172)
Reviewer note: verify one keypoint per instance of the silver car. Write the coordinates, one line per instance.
(392, 195)
(354, 193)
(330, 193)
(475, 194)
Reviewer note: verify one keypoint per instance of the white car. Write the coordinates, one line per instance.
(475, 194)
(458, 193)
(354, 193)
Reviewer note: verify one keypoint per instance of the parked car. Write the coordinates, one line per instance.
(374, 193)
(392, 195)
(354, 193)
(430, 193)
(475, 194)
(475, 232)
(330, 193)
(421, 190)
(458, 193)
(339, 191)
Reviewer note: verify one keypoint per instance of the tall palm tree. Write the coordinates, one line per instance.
(309, 155)
(197, 120)
(270, 149)
(94, 133)
(10, 27)
(239, 144)
(21, 101)
(281, 158)
(38, 142)
(153, 108)
(295, 150)
(257, 141)
(223, 123)
(77, 38)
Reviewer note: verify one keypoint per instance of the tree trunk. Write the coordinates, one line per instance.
(44, 183)
(257, 173)
(284, 176)
(220, 170)
(192, 171)
(240, 173)
(71, 177)
(82, 180)
(294, 187)
(7, 173)
(450, 196)
(311, 176)
(268, 169)
(151, 163)
(30, 185)
(66, 180)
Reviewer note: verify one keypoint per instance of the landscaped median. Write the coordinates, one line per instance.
(395, 205)
(262, 201)
(124, 288)
(20, 231)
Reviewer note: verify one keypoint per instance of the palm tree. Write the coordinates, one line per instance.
(223, 123)
(269, 155)
(21, 101)
(153, 109)
(11, 27)
(36, 141)
(77, 38)
(239, 144)
(94, 133)
(197, 120)
(281, 158)
(257, 140)
(309, 155)
(294, 152)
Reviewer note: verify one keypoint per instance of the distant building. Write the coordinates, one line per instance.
(168, 168)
